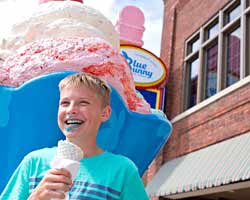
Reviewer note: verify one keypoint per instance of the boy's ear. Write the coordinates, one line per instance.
(106, 113)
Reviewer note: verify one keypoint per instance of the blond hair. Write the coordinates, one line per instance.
(99, 86)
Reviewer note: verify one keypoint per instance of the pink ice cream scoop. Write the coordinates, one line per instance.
(131, 25)
(92, 55)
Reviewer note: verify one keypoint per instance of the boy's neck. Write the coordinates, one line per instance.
(89, 149)
(89, 152)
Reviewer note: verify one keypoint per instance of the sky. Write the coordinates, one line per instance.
(10, 10)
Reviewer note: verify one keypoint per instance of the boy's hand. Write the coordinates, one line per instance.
(53, 185)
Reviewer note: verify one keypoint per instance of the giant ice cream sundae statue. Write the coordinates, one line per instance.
(61, 38)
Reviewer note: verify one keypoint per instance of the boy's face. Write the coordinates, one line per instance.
(80, 113)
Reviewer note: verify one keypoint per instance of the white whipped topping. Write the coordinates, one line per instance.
(58, 19)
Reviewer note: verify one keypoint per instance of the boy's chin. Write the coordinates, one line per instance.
(70, 134)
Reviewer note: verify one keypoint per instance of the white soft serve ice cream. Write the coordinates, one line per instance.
(58, 19)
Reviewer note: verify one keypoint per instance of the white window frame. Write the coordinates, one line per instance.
(243, 20)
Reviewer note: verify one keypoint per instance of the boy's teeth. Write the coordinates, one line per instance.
(73, 121)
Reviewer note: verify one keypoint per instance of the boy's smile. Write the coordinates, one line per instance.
(72, 123)
(80, 113)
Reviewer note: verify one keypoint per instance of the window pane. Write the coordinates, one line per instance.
(232, 14)
(248, 46)
(193, 45)
(248, 3)
(211, 70)
(233, 57)
(213, 31)
(193, 80)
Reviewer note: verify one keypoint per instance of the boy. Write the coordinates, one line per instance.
(84, 104)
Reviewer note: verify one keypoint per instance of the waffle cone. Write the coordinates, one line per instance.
(68, 150)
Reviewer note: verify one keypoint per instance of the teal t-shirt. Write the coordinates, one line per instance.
(101, 177)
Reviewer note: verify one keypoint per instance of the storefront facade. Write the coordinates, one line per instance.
(206, 46)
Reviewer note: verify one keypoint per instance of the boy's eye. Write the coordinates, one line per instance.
(84, 103)
(64, 103)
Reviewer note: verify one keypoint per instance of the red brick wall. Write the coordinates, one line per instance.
(225, 118)
(155, 166)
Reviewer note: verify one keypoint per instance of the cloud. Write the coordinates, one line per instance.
(152, 36)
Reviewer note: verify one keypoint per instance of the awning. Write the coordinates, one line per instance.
(217, 165)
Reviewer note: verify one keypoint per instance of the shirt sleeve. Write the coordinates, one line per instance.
(133, 188)
(18, 185)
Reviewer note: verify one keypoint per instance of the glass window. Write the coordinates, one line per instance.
(247, 3)
(247, 53)
(212, 31)
(233, 57)
(193, 80)
(209, 49)
(211, 70)
(193, 45)
(233, 13)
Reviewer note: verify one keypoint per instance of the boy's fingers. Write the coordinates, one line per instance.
(44, 192)
(57, 187)
(53, 185)
(51, 178)
(60, 172)
(53, 194)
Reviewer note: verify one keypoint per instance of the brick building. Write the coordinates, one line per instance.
(205, 44)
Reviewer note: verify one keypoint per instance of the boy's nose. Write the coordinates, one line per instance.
(72, 109)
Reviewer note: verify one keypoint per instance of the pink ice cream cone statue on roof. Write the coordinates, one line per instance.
(131, 25)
